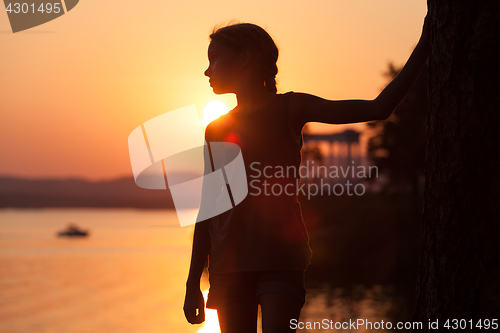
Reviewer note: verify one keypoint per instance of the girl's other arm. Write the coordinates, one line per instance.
(194, 304)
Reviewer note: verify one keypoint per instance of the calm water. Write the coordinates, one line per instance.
(127, 276)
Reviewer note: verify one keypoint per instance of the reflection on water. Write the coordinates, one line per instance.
(331, 307)
(127, 276)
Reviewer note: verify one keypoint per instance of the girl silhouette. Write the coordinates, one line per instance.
(259, 250)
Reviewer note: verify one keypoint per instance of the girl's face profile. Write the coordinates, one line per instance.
(223, 68)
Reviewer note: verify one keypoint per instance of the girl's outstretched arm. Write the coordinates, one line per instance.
(306, 108)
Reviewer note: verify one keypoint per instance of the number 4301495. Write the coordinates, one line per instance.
(25, 8)
(485, 324)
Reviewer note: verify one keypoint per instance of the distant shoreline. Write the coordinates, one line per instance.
(16, 192)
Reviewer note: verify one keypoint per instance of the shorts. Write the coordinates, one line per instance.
(232, 288)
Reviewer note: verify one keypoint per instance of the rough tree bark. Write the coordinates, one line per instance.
(459, 266)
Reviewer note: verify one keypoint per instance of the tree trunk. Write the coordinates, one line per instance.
(459, 266)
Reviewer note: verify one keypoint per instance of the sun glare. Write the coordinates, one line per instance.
(212, 111)
(211, 324)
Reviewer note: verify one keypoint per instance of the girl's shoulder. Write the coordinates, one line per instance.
(215, 127)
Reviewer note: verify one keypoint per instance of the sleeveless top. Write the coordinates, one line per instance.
(266, 230)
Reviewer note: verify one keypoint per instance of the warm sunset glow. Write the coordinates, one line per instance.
(212, 111)
(211, 324)
(135, 62)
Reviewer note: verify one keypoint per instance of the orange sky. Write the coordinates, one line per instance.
(74, 88)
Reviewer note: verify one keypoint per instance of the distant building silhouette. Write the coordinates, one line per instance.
(343, 151)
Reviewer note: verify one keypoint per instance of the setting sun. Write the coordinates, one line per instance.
(212, 111)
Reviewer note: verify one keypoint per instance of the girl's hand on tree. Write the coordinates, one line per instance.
(194, 305)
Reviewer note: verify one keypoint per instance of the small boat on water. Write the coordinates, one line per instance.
(73, 231)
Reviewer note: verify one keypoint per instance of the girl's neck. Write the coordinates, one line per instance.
(253, 98)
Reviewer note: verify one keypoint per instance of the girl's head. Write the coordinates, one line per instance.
(242, 45)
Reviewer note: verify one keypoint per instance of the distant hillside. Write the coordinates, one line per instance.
(121, 192)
